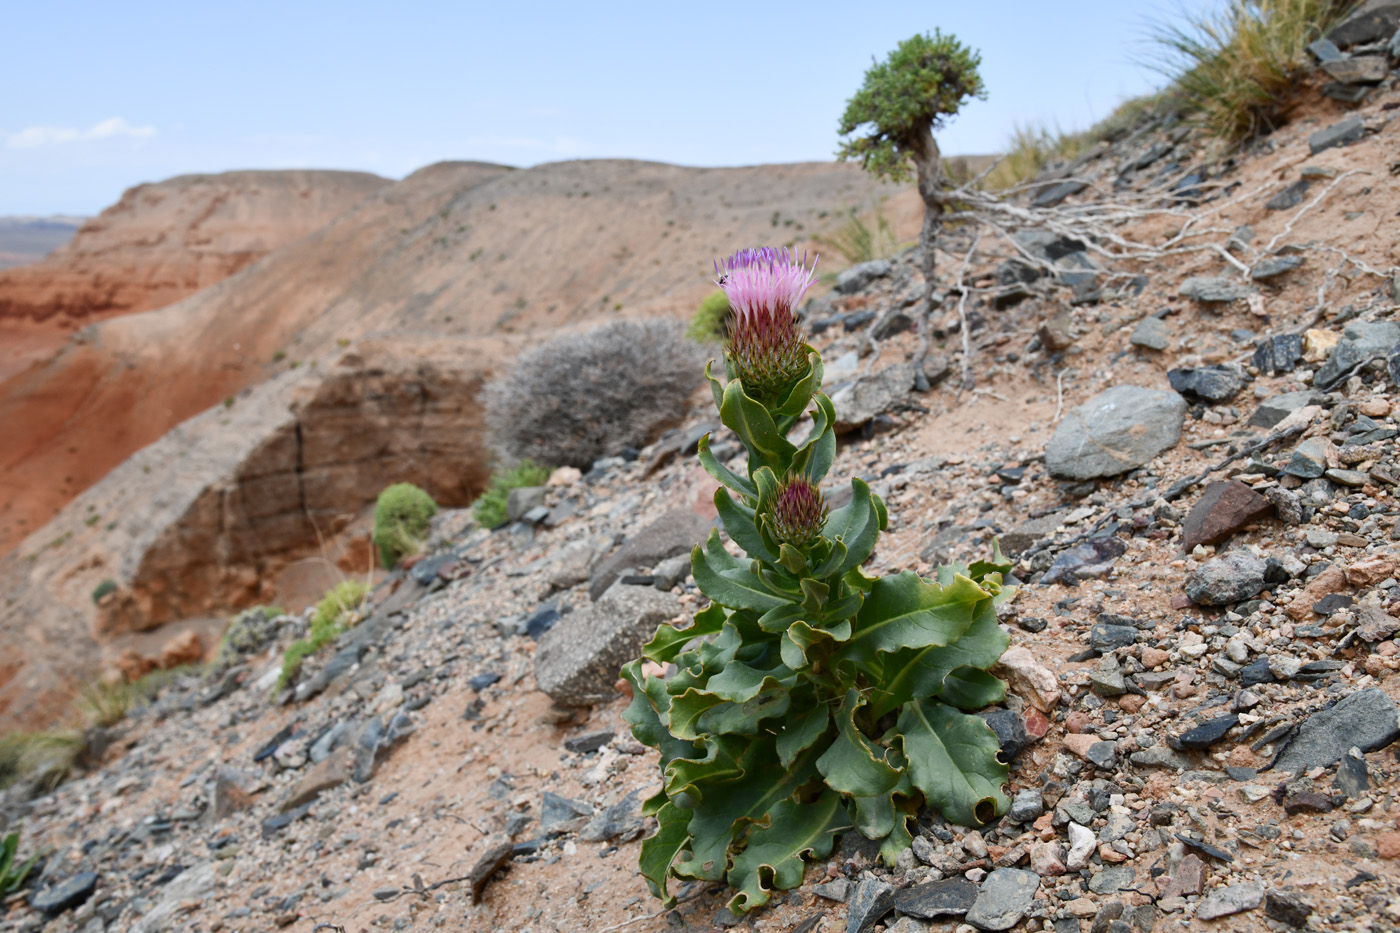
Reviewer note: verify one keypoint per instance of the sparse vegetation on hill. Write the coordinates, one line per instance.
(1234, 70)
(579, 397)
(401, 518)
(857, 241)
(707, 324)
(489, 511)
(334, 614)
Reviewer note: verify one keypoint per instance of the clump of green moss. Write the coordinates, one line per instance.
(490, 509)
(102, 589)
(401, 518)
(334, 614)
(707, 324)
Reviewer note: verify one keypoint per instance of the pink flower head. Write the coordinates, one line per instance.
(798, 512)
(765, 342)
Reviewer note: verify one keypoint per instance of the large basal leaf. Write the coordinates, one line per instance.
(914, 673)
(743, 718)
(971, 689)
(729, 806)
(801, 731)
(739, 681)
(648, 712)
(773, 858)
(906, 611)
(853, 764)
(726, 581)
(877, 817)
(669, 640)
(953, 759)
(660, 850)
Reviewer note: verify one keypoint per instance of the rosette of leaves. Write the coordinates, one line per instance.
(810, 699)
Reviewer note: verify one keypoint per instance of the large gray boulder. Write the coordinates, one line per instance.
(861, 401)
(1360, 343)
(674, 532)
(1367, 720)
(1115, 431)
(578, 660)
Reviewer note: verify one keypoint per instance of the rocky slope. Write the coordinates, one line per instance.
(1191, 457)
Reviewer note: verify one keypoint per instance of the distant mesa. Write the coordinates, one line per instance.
(29, 239)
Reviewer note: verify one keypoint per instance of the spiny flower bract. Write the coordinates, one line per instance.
(765, 344)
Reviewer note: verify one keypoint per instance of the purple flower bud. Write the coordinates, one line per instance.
(798, 513)
(765, 342)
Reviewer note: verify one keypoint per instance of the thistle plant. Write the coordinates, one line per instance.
(808, 699)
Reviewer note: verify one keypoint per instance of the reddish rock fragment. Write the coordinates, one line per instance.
(1190, 878)
(1223, 509)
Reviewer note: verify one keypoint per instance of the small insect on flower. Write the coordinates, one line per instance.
(798, 513)
(765, 344)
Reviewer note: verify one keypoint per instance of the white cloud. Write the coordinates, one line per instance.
(112, 128)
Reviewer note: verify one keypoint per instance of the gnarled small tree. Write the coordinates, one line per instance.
(891, 120)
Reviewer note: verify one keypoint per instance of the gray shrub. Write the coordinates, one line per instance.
(579, 397)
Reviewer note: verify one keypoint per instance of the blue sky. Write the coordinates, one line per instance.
(102, 96)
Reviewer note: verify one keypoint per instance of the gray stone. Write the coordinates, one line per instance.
(1291, 196)
(1094, 558)
(1373, 21)
(1218, 383)
(620, 819)
(1278, 353)
(71, 892)
(1211, 289)
(1112, 879)
(1102, 755)
(233, 791)
(1347, 477)
(1367, 720)
(1271, 411)
(1363, 69)
(1360, 343)
(1287, 908)
(674, 532)
(521, 500)
(1309, 459)
(1271, 266)
(1160, 756)
(578, 660)
(1004, 898)
(1026, 806)
(1221, 581)
(1010, 729)
(838, 890)
(1338, 134)
(192, 884)
(1208, 733)
(867, 397)
(1393, 47)
(1107, 682)
(1325, 50)
(1023, 536)
(870, 901)
(561, 815)
(1231, 899)
(859, 276)
(950, 898)
(1152, 333)
(1054, 194)
(1116, 431)
(589, 742)
(670, 572)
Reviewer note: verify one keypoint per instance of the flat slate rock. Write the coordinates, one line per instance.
(1152, 333)
(1273, 266)
(674, 532)
(1116, 431)
(1223, 509)
(1273, 410)
(1003, 900)
(1360, 343)
(1338, 134)
(1368, 720)
(1218, 383)
(1231, 899)
(1208, 733)
(1213, 289)
(71, 892)
(950, 898)
(1278, 353)
(870, 901)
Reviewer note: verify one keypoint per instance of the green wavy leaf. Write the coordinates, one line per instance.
(756, 428)
(801, 732)
(856, 525)
(971, 689)
(661, 849)
(853, 764)
(953, 760)
(726, 581)
(648, 713)
(914, 673)
(722, 473)
(906, 611)
(773, 858)
(742, 527)
(801, 642)
(669, 640)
